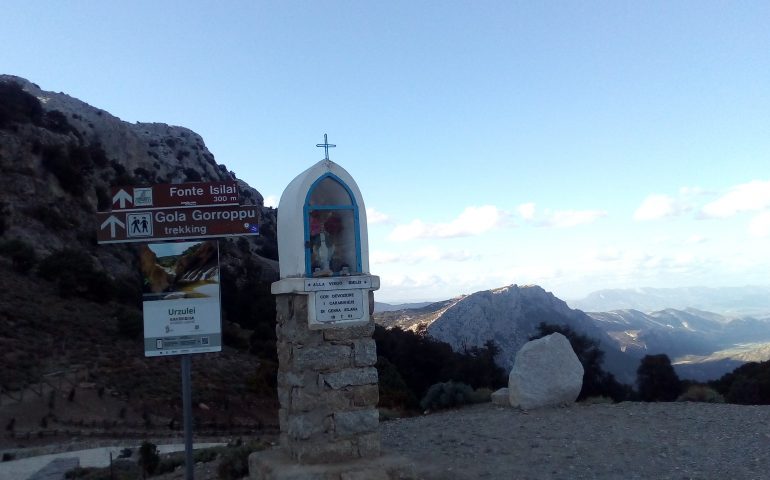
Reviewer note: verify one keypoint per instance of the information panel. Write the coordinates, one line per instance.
(181, 303)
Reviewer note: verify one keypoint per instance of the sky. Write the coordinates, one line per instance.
(578, 146)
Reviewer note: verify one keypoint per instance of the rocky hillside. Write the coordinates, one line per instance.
(509, 316)
(680, 332)
(702, 345)
(68, 301)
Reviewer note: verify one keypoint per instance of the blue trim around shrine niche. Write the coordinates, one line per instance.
(306, 219)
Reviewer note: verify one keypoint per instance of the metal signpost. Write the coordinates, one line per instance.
(168, 212)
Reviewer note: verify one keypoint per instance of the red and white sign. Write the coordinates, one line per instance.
(179, 195)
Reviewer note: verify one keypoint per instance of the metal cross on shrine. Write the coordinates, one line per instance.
(326, 146)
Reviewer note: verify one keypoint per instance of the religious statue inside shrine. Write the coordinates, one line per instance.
(331, 230)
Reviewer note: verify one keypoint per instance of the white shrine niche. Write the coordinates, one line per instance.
(323, 247)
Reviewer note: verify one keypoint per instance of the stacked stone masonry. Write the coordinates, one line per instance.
(327, 387)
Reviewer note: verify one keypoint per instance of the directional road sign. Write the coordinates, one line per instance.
(179, 195)
(123, 226)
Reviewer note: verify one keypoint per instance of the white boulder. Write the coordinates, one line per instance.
(545, 373)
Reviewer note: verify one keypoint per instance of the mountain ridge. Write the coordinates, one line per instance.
(727, 301)
(509, 315)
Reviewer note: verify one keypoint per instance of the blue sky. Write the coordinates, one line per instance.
(574, 145)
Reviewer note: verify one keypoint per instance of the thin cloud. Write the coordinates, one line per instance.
(527, 211)
(558, 218)
(270, 201)
(571, 218)
(747, 197)
(658, 206)
(696, 239)
(374, 217)
(431, 253)
(472, 221)
(760, 225)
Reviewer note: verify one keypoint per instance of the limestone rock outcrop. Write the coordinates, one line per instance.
(546, 373)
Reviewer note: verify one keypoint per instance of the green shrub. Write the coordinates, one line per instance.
(3, 218)
(130, 323)
(191, 175)
(56, 121)
(656, 379)
(22, 254)
(447, 395)
(51, 217)
(121, 470)
(74, 273)
(748, 384)
(18, 106)
(69, 165)
(205, 455)
(701, 393)
(148, 458)
(481, 395)
(394, 392)
(234, 464)
(422, 361)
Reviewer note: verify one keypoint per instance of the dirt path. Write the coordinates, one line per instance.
(605, 441)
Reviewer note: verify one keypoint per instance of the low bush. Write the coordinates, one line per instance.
(656, 379)
(121, 470)
(22, 254)
(748, 384)
(394, 392)
(701, 393)
(148, 458)
(234, 463)
(447, 395)
(74, 273)
(18, 106)
(56, 160)
(130, 323)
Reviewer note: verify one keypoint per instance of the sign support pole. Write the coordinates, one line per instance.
(187, 406)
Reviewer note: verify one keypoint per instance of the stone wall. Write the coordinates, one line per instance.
(327, 387)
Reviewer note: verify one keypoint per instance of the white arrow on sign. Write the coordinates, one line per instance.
(122, 196)
(112, 221)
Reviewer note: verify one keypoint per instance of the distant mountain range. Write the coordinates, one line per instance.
(728, 301)
(702, 345)
(389, 307)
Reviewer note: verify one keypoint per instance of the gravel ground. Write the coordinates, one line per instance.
(602, 441)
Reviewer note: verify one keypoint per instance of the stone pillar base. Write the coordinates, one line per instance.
(275, 464)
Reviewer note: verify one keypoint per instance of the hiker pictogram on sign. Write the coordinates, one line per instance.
(139, 224)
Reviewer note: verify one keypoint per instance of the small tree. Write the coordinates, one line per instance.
(656, 379)
(148, 458)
